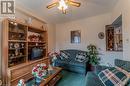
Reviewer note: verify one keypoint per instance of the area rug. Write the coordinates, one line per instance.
(71, 79)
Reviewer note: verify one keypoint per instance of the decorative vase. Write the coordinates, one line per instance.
(21, 83)
(53, 60)
(38, 80)
(53, 64)
(45, 73)
(50, 69)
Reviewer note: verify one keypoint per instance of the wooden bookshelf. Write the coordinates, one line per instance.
(19, 40)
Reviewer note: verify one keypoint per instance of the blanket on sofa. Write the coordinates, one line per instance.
(113, 77)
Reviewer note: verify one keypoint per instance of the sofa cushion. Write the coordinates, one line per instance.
(64, 55)
(72, 53)
(81, 57)
(66, 61)
(76, 63)
(113, 77)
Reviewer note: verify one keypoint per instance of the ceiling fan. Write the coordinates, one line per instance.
(63, 5)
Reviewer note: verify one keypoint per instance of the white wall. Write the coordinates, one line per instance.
(123, 7)
(90, 27)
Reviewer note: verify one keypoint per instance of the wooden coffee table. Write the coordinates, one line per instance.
(52, 78)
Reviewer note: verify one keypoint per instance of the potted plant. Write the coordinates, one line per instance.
(93, 56)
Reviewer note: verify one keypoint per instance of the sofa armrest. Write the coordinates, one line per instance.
(99, 68)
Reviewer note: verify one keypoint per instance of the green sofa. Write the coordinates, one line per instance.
(71, 64)
(92, 77)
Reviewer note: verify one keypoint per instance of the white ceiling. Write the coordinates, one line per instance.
(88, 8)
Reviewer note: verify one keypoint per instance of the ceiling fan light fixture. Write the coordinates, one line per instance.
(62, 5)
(52, 5)
(77, 4)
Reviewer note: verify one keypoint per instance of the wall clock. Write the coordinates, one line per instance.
(101, 35)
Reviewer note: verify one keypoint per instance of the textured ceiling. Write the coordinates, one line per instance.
(88, 8)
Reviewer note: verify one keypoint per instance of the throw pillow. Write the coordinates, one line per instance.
(64, 55)
(113, 77)
(80, 57)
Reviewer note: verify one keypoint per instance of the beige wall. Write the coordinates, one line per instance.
(90, 27)
(51, 37)
(123, 7)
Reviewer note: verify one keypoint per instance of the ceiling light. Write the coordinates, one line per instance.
(63, 5)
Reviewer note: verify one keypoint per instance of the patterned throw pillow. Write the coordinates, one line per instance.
(81, 57)
(64, 55)
(114, 77)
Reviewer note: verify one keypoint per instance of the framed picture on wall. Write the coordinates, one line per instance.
(75, 36)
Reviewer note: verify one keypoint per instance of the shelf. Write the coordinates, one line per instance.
(16, 32)
(29, 63)
(12, 65)
(114, 50)
(36, 45)
(17, 41)
(17, 48)
(18, 57)
(42, 48)
(35, 29)
(118, 34)
(35, 42)
(16, 21)
(20, 76)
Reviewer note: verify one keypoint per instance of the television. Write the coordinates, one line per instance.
(36, 53)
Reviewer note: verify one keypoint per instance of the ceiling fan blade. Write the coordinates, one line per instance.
(73, 3)
(52, 5)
